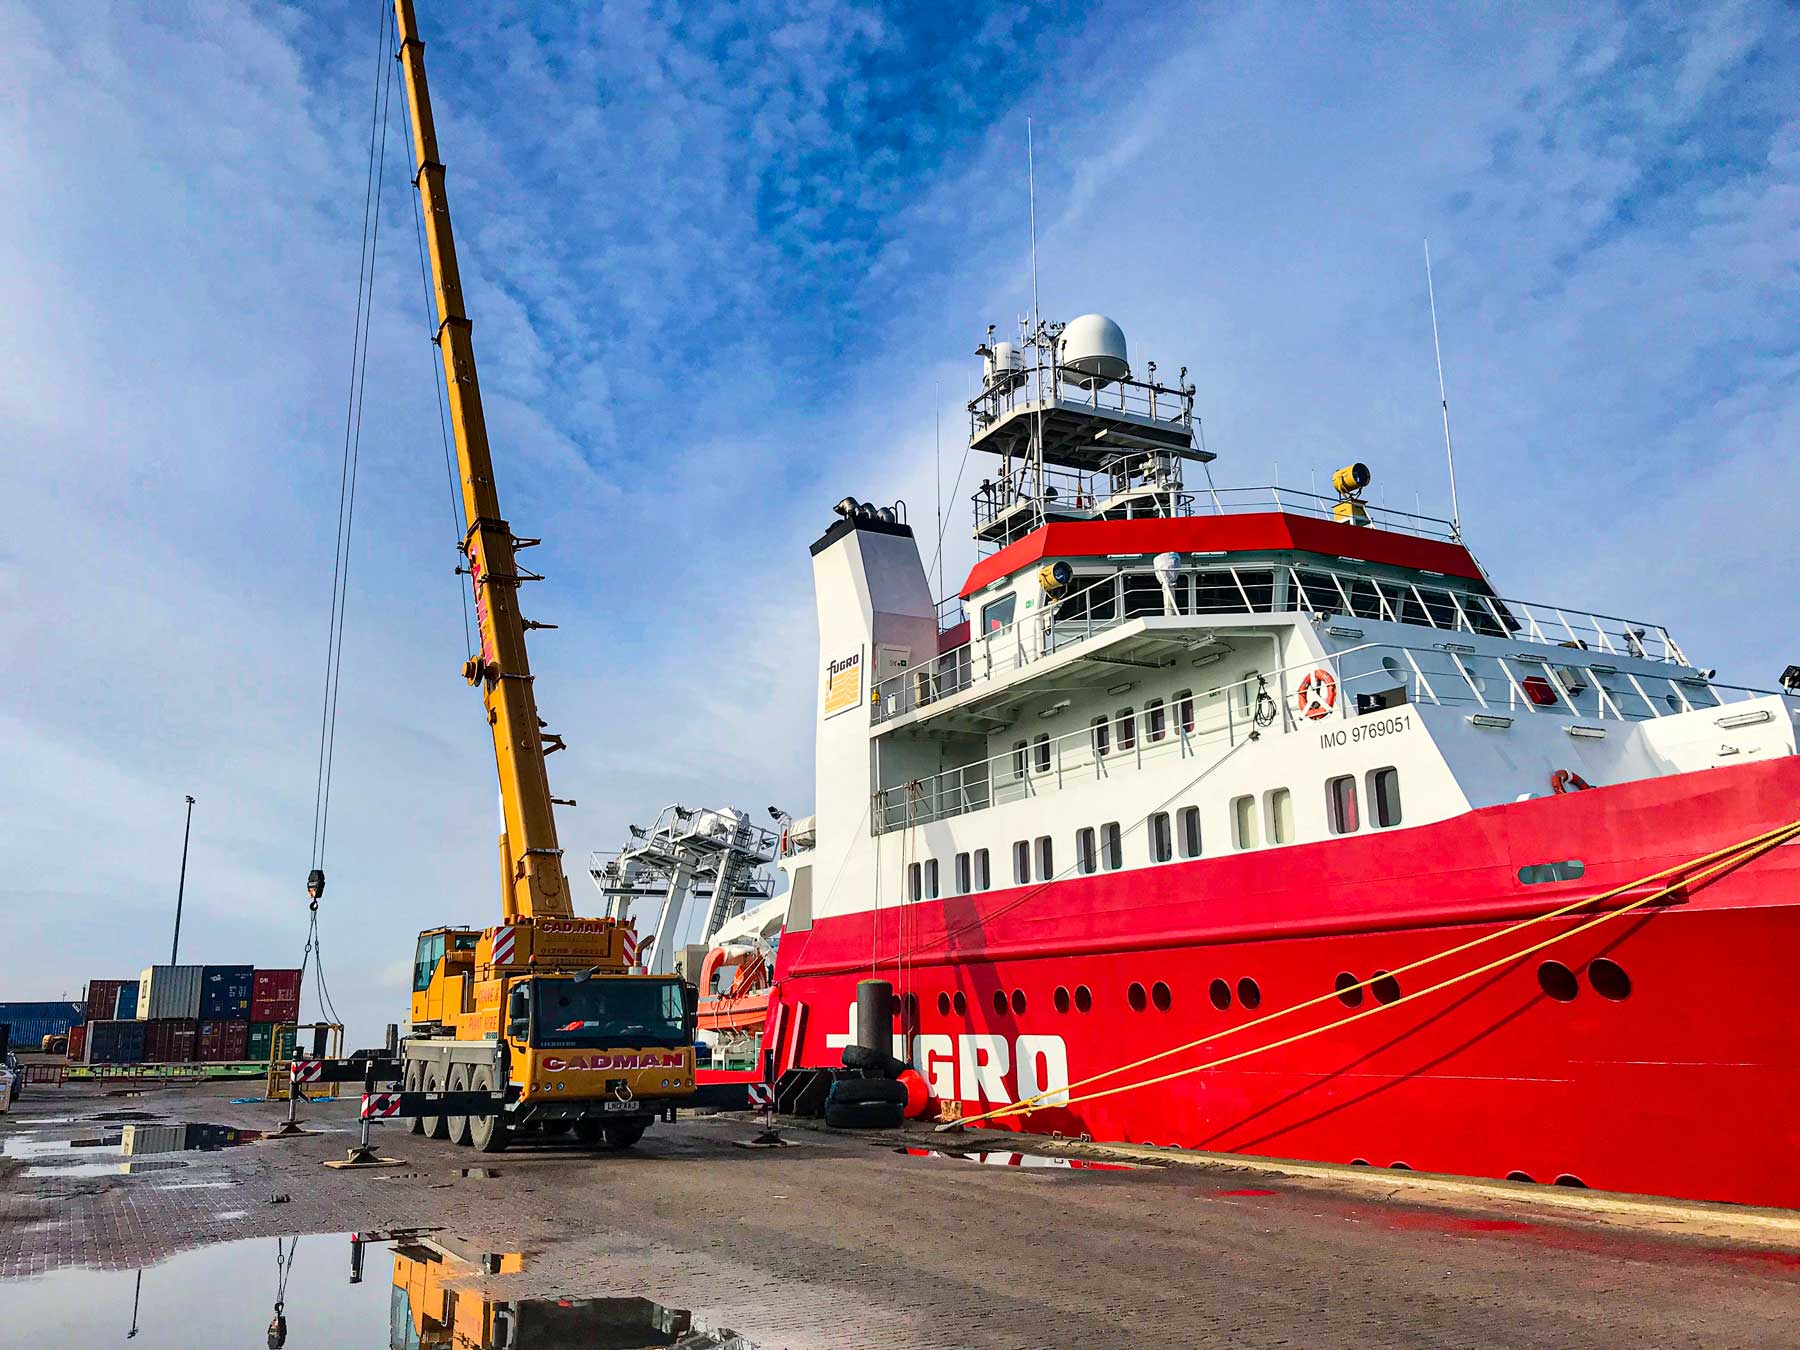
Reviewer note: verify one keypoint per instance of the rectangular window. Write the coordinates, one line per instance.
(1101, 735)
(1021, 863)
(1156, 720)
(1536, 874)
(914, 886)
(1243, 821)
(1190, 832)
(1019, 761)
(1112, 853)
(1281, 816)
(999, 614)
(1184, 709)
(1127, 734)
(1384, 796)
(1085, 857)
(1162, 838)
(1046, 860)
(931, 878)
(962, 874)
(1040, 752)
(1340, 804)
(982, 878)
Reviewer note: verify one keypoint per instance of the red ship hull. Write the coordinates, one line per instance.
(1688, 1085)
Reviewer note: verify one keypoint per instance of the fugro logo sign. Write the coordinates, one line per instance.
(843, 684)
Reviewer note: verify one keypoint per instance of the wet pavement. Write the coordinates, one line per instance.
(838, 1240)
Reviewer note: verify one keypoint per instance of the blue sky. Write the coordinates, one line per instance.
(721, 261)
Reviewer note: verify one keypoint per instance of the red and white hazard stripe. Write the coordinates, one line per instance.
(505, 939)
(628, 934)
(761, 1095)
(380, 1105)
(306, 1070)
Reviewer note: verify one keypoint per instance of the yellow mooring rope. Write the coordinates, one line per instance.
(1720, 860)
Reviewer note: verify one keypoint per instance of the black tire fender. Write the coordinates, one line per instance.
(861, 1057)
(856, 1091)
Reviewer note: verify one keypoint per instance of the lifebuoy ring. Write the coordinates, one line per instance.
(1566, 780)
(1318, 694)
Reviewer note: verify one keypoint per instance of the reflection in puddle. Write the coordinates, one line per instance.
(297, 1292)
(1023, 1160)
(145, 1146)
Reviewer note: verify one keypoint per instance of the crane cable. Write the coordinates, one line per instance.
(352, 452)
(1717, 862)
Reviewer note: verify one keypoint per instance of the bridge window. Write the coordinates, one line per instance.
(1281, 816)
(1127, 721)
(1040, 749)
(1340, 804)
(1184, 709)
(1021, 863)
(1156, 720)
(1384, 796)
(1112, 854)
(1190, 832)
(962, 874)
(1243, 819)
(982, 879)
(999, 614)
(1162, 838)
(1045, 858)
(1085, 858)
(1101, 734)
(1143, 595)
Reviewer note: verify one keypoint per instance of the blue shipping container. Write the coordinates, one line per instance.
(225, 993)
(127, 1000)
(115, 1042)
(31, 1022)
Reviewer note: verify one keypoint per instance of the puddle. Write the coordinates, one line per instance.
(1023, 1160)
(103, 1169)
(333, 1290)
(143, 1146)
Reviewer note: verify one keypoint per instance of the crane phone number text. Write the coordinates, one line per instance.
(1371, 730)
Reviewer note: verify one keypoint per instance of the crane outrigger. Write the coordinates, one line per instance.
(546, 1006)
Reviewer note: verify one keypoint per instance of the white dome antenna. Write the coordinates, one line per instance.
(1094, 352)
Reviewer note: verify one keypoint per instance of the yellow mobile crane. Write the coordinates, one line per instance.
(545, 1006)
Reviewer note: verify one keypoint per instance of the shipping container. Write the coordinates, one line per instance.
(171, 1040)
(128, 997)
(115, 1042)
(103, 999)
(262, 1040)
(225, 993)
(78, 1044)
(138, 1140)
(169, 992)
(222, 1042)
(29, 1023)
(275, 996)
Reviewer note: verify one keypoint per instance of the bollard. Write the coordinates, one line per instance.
(875, 1015)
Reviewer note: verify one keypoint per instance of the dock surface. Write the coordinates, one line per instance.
(843, 1240)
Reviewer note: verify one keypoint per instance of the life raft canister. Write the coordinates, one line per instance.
(1318, 694)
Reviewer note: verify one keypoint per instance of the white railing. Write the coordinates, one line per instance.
(1238, 588)
(1008, 392)
(1217, 718)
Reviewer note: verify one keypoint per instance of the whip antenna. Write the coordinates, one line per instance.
(1443, 398)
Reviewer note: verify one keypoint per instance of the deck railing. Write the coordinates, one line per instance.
(1198, 591)
(1506, 687)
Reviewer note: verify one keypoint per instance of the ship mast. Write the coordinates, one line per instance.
(533, 883)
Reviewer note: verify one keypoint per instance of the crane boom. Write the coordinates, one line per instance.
(533, 884)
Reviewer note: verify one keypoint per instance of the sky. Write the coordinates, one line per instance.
(727, 264)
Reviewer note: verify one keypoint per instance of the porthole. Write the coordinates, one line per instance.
(943, 1005)
(1609, 979)
(1558, 981)
(1249, 994)
(1385, 987)
(1349, 990)
(909, 1012)
(1393, 668)
(1083, 999)
(961, 1004)
(1359, 1162)
(1159, 995)
(1061, 999)
(1521, 1176)
(1572, 1181)
(1018, 1002)
(1220, 994)
(1400, 1166)
(1000, 1003)
(1135, 997)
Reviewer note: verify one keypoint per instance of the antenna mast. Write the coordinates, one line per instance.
(1443, 398)
(1037, 323)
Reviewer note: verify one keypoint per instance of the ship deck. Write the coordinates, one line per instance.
(848, 1240)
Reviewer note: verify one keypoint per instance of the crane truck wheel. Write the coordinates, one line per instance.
(433, 1126)
(587, 1131)
(624, 1134)
(410, 1083)
(458, 1126)
(489, 1134)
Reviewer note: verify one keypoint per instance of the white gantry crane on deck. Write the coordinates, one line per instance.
(686, 855)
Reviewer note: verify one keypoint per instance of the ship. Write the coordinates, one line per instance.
(1258, 821)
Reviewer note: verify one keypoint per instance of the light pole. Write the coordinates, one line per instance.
(181, 887)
